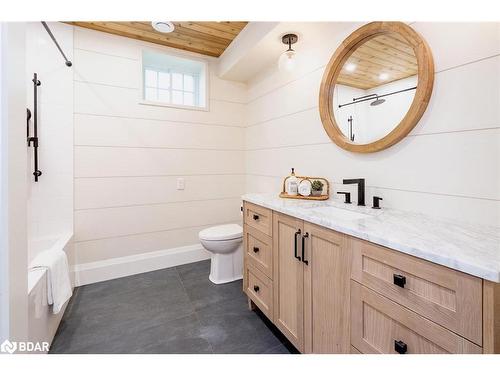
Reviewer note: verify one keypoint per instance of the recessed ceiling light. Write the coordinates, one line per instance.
(383, 76)
(350, 67)
(163, 26)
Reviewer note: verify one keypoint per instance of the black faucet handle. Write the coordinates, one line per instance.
(376, 202)
(347, 196)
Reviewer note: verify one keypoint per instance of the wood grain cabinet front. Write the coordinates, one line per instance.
(311, 285)
(260, 290)
(258, 217)
(445, 296)
(288, 278)
(380, 325)
(258, 250)
(326, 291)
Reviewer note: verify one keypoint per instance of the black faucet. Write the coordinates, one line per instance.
(361, 188)
(376, 202)
(347, 196)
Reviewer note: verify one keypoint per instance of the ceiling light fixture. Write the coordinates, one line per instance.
(163, 26)
(350, 67)
(383, 76)
(287, 59)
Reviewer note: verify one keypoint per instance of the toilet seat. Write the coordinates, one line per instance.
(222, 233)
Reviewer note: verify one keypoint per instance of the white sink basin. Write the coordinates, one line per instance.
(339, 213)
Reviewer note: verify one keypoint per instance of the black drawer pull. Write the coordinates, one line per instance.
(399, 280)
(295, 253)
(256, 288)
(255, 249)
(256, 217)
(400, 347)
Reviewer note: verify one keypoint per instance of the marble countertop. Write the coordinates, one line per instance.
(472, 249)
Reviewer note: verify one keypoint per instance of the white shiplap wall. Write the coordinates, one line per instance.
(128, 156)
(448, 166)
(50, 200)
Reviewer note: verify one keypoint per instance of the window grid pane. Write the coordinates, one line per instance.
(151, 78)
(177, 83)
(150, 93)
(170, 87)
(164, 96)
(188, 98)
(164, 80)
(177, 97)
(188, 83)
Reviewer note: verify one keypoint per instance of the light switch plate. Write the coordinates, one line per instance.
(181, 184)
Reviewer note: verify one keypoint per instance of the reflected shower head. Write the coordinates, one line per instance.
(377, 101)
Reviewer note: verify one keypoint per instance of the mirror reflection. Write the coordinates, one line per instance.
(375, 88)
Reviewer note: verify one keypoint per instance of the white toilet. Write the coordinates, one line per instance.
(224, 242)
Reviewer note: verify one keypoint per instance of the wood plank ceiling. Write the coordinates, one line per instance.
(207, 38)
(388, 53)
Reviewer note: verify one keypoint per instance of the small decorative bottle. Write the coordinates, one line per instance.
(292, 184)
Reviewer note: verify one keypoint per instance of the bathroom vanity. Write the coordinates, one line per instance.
(337, 278)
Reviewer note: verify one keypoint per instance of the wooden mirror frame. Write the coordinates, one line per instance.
(422, 96)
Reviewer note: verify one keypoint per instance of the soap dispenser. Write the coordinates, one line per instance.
(292, 184)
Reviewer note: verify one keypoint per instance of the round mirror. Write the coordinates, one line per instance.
(376, 87)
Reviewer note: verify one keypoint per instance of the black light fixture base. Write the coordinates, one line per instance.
(289, 39)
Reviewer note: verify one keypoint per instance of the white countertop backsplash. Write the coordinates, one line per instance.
(473, 249)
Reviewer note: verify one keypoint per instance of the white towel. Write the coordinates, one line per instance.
(58, 282)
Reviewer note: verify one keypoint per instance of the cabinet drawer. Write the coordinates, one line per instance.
(379, 325)
(445, 296)
(258, 250)
(258, 217)
(260, 290)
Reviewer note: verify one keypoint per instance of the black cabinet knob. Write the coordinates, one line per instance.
(255, 249)
(399, 280)
(256, 288)
(400, 347)
(256, 217)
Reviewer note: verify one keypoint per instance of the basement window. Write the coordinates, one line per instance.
(173, 81)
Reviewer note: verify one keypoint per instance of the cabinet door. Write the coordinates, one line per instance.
(288, 278)
(326, 291)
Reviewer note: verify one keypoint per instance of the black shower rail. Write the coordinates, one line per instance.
(67, 62)
(372, 96)
(34, 140)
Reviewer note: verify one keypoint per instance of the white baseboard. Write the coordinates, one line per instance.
(88, 273)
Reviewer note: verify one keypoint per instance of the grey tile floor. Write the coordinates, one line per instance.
(174, 310)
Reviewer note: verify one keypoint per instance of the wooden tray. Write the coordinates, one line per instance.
(310, 197)
(321, 197)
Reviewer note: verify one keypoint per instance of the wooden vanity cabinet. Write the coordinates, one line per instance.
(328, 292)
(311, 274)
